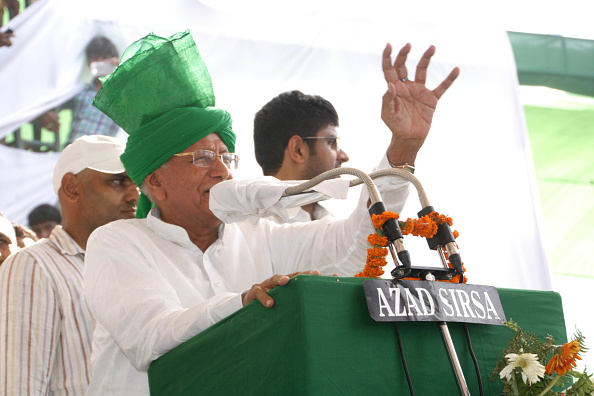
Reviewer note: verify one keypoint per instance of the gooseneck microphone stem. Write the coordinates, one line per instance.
(333, 173)
(406, 175)
(391, 229)
(361, 178)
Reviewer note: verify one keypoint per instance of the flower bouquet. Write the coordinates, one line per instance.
(522, 366)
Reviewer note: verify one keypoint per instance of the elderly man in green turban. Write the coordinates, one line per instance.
(154, 282)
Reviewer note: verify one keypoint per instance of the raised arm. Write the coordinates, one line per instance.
(408, 106)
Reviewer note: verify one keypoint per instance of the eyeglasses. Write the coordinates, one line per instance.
(334, 141)
(205, 158)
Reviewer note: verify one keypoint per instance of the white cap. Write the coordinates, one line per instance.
(97, 152)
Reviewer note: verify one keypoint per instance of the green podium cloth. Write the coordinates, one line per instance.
(319, 339)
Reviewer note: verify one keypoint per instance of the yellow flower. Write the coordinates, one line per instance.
(532, 369)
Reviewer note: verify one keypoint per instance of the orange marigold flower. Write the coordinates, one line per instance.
(379, 220)
(376, 256)
(407, 226)
(377, 252)
(456, 234)
(375, 239)
(421, 227)
(564, 359)
(440, 219)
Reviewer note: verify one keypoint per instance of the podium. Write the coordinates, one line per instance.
(319, 339)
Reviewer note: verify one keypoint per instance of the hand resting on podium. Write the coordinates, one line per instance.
(260, 291)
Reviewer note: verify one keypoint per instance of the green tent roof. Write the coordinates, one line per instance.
(554, 61)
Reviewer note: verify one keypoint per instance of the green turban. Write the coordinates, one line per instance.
(161, 95)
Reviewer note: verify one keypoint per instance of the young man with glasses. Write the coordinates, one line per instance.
(295, 138)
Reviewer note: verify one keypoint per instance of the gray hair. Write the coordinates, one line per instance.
(144, 189)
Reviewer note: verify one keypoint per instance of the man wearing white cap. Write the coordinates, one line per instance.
(45, 325)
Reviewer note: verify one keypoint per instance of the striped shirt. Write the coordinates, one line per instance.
(45, 325)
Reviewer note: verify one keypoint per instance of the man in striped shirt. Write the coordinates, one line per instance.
(45, 325)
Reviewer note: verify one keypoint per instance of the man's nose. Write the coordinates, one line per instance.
(342, 157)
(219, 169)
(132, 192)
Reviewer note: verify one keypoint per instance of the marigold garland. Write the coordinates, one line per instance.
(422, 227)
(379, 220)
(425, 226)
(376, 256)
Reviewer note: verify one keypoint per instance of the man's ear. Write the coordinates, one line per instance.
(297, 149)
(71, 187)
(154, 184)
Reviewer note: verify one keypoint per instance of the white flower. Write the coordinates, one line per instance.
(532, 369)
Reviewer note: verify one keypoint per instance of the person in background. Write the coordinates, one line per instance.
(5, 39)
(45, 325)
(295, 138)
(24, 235)
(102, 58)
(43, 219)
(8, 243)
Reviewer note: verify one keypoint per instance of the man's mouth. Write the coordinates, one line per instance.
(130, 211)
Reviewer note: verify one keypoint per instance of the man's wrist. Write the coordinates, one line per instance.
(406, 167)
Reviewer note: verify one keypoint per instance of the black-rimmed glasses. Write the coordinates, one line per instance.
(205, 158)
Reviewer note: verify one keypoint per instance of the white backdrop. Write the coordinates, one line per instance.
(476, 165)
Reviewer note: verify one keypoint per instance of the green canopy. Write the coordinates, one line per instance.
(559, 62)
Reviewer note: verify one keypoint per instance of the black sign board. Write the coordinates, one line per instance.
(431, 301)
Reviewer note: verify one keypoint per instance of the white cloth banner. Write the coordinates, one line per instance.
(476, 165)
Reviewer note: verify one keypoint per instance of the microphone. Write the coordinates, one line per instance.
(392, 231)
(444, 237)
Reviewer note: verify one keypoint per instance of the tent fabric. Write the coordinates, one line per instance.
(476, 165)
(559, 62)
(26, 180)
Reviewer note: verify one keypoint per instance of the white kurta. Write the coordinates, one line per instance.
(151, 289)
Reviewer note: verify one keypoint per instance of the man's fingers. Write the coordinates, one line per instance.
(310, 272)
(389, 72)
(421, 73)
(260, 294)
(388, 98)
(260, 291)
(440, 90)
(276, 280)
(5, 40)
(400, 62)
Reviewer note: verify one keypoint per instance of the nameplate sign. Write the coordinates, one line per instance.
(431, 301)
